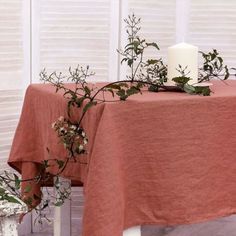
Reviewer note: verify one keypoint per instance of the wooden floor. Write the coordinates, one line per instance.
(221, 227)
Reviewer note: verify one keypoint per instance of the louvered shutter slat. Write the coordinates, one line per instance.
(10, 106)
(75, 32)
(212, 25)
(11, 73)
(157, 23)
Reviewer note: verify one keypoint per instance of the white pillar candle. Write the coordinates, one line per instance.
(185, 55)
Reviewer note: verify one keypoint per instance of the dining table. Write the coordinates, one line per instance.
(164, 158)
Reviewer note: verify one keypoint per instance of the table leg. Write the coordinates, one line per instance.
(133, 231)
(62, 214)
(25, 227)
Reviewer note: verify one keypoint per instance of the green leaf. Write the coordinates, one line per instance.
(79, 101)
(227, 74)
(87, 90)
(153, 45)
(132, 90)
(129, 44)
(181, 80)
(122, 94)
(27, 189)
(205, 91)
(153, 88)
(130, 62)
(189, 89)
(113, 86)
(220, 60)
(213, 56)
(151, 61)
(111, 91)
(2, 191)
(60, 163)
(215, 52)
(11, 199)
(17, 181)
(124, 59)
(89, 105)
(123, 84)
(136, 43)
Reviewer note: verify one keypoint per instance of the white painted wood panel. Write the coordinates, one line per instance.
(212, 24)
(72, 33)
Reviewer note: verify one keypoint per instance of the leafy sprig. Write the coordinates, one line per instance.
(182, 82)
(213, 67)
(134, 51)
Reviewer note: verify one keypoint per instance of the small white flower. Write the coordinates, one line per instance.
(83, 134)
(81, 147)
(73, 127)
(85, 141)
(54, 125)
(61, 118)
(62, 130)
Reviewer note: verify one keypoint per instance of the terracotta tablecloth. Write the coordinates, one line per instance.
(158, 158)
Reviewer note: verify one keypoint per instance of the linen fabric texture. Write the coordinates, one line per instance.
(158, 158)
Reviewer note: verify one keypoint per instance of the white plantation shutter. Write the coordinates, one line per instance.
(10, 105)
(73, 32)
(11, 50)
(157, 23)
(11, 73)
(212, 24)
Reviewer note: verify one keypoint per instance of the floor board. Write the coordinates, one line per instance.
(221, 227)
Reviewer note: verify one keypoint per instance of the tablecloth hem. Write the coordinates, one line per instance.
(177, 223)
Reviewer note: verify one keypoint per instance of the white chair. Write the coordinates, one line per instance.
(9, 216)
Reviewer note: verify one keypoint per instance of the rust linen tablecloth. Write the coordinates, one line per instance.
(158, 158)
